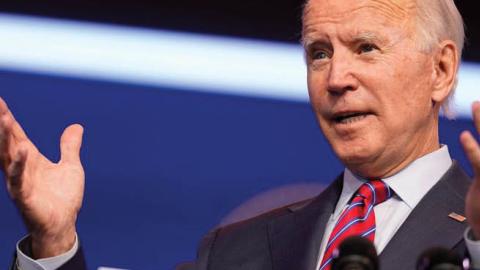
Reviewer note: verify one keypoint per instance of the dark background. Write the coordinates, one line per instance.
(165, 166)
(270, 20)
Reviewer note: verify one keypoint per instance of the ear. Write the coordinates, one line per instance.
(446, 62)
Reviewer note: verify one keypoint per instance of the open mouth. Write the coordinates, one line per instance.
(348, 118)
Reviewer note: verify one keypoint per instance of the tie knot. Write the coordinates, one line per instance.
(374, 191)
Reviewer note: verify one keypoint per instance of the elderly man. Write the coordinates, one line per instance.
(379, 72)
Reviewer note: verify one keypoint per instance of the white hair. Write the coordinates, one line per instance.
(438, 20)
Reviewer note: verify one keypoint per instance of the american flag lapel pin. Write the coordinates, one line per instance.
(457, 217)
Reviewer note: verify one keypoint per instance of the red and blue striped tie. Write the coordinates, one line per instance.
(358, 218)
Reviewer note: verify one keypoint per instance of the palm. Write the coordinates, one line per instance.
(472, 207)
(49, 195)
(472, 150)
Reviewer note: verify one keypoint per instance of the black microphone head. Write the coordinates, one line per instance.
(438, 258)
(355, 253)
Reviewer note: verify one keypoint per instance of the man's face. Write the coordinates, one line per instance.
(369, 84)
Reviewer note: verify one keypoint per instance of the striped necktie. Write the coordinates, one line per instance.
(357, 219)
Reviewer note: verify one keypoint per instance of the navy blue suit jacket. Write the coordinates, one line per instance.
(289, 237)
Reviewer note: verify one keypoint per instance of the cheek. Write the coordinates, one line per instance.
(314, 89)
(413, 88)
(318, 94)
(317, 90)
(402, 85)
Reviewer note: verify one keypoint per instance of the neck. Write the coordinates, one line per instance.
(387, 165)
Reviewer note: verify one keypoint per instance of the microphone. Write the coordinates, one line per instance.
(355, 253)
(438, 258)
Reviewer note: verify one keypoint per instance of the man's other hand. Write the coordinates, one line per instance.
(48, 195)
(472, 150)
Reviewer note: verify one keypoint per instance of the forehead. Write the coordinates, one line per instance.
(352, 12)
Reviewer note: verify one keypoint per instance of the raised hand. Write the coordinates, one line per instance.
(48, 195)
(472, 150)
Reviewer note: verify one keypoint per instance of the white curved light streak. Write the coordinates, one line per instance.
(169, 59)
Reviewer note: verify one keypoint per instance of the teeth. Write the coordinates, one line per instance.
(351, 119)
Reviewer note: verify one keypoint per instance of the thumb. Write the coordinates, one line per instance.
(70, 143)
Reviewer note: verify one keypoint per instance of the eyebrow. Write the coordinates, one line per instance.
(366, 37)
(361, 37)
(307, 42)
(311, 37)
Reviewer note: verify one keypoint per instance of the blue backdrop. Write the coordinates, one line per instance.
(164, 166)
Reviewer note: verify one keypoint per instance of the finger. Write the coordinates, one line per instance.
(14, 127)
(70, 143)
(11, 135)
(476, 115)
(3, 106)
(4, 143)
(472, 150)
(15, 170)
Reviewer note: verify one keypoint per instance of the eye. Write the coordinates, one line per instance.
(367, 47)
(320, 54)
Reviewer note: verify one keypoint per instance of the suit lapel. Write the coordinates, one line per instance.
(295, 238)
(429, 225)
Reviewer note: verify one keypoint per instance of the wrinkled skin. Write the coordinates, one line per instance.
(361, 58)
(472, 150)
(364, 59)
(48, 195)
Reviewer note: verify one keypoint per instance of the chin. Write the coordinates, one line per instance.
(354, 158)
(359, 159)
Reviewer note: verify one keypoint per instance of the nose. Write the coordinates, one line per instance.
(341, 77)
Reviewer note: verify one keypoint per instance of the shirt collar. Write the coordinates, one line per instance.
(410, 184)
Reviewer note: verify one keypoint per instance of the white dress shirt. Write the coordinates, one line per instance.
(24, 262)
(409, 187)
